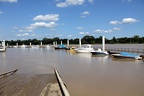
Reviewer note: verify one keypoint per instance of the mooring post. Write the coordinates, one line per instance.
(67, 43)
(80, 43)
(103, 43)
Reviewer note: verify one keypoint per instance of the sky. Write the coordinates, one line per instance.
(70, 19)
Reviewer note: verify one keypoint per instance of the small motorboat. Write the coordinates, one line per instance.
(2, 49)
(23, 46)
(127, 55)
(142, 56)
(99, 52)
(70, 48)
(85, 49)
(60, 47)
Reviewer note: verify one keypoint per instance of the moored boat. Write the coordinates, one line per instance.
(23, 46)
(85, 49)
(99, 52)
(60, 47)
(127, 55)
(2, 47)
(113, 52)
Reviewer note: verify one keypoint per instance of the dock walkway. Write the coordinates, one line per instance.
(19, 84)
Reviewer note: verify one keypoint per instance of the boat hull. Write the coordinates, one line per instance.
(118, 56)
(2, 50)
(99, 53)
(59, 48)
(113, 52)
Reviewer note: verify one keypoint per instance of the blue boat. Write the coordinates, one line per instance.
(60, 47)
(124, 55)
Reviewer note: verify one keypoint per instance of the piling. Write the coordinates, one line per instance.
(103, 43)
(80, 43)
(67, 43)
(61, 42)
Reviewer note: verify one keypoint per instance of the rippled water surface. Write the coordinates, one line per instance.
(84, 74)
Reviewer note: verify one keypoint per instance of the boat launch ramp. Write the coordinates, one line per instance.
(13, 83)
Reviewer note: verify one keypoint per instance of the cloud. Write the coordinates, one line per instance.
(124, 21)
(69, 35)
(1, 12)
(70, 3)
(15, 27)
(116, 28)
(12, 31)
(115, 22)
(11, 1)
(129, 20)
(85, 13)
(48, 21)
(58, 35)
(91, 1)
(62, 4)
(127, 0)
(25, 34)
(26, 30)
(48, 17)
(80, 28)
(103, 31)
(107, 31)
(83, 33)
(41, 25)
(83, 16)
(21, 30)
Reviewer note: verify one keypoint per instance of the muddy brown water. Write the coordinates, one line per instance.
(84, 74)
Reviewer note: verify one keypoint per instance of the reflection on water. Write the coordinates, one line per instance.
(2, 54)
(84, 74)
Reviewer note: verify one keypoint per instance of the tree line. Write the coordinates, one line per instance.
(85, 40)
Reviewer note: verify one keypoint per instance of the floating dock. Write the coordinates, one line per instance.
(19, 84)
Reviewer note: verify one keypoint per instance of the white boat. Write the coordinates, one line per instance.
(15, 46)
(99, 52)
(2, 49)
(23, 46)
(85, 49)
(48, 46)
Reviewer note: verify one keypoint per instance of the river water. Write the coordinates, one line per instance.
(84, 74)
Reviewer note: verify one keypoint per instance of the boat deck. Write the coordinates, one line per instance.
(19, 84)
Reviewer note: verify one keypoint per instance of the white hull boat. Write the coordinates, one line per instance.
(86, 49)
(99, 52)
(2, 49)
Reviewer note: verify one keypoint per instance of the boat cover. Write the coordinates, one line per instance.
(129, 54)
(62, 46)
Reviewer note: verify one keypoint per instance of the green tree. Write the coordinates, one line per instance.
(35, 42)
(136, 38)
(88, 39)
